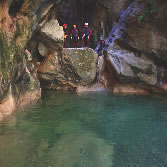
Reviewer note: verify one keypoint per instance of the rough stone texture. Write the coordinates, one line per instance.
(137, 51)
(17, 74)
(53, 31)
(19, 84)
(84, 61)
(68, 70)
(132, 68)
(63, 69)
(42, 49)
(51, 36)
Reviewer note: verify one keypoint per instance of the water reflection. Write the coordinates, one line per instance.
(86, 130)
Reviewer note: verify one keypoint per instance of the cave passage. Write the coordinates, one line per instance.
(78, 13)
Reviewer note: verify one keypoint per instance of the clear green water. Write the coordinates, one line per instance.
(87, 130)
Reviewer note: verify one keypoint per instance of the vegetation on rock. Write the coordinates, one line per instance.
(149, 11)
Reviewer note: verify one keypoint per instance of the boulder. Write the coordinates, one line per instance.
(84, 63)
(52, 34)
(53, 31)
(131, 68)
(68, 70)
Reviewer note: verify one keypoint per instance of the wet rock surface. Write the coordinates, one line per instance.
(137, 51)
(84, 62)
(53, 34)
(136, 48)
(18, 76)
(68, 69)
(63, 69)
(131, 68)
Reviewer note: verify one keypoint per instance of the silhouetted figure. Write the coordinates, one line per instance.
(86, 33)
(66, 36)
(75, 37)
(102, 44)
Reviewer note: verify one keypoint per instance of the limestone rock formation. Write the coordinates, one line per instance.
(63, 69)
(136, 47)
(132, 68)
(84, 62)
(31, 38)
(68, 69)
(19, 84)
(52, 31)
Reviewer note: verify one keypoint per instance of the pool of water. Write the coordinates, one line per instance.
(87, 130)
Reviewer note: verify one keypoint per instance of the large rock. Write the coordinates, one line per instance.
(131, 68)
(63, 69)
(52, 35)
(53, 31)
(68, 70)
(84, 62)
(137, 49)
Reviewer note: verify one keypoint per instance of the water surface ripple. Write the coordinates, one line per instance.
(87, 130)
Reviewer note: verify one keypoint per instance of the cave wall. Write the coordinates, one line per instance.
(137, 48)
(21, 21)
(19, 84)
(94, 12)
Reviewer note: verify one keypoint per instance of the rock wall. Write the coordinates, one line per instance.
(136, 48)
(19, 84)
(31, 39)
(19, 21)
(100, 15)
(63, 69)
(20, 58)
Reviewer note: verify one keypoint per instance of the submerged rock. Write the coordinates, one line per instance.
(85, 150)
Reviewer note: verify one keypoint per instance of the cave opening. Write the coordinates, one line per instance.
(15, 7)
(76, 12)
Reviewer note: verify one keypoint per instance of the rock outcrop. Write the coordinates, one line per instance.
(19, 84)
(136, 48)
(68, 70)
(135, 53)
(20, 57)
(63, 69)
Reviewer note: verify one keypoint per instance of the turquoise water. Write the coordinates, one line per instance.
(87, 130)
